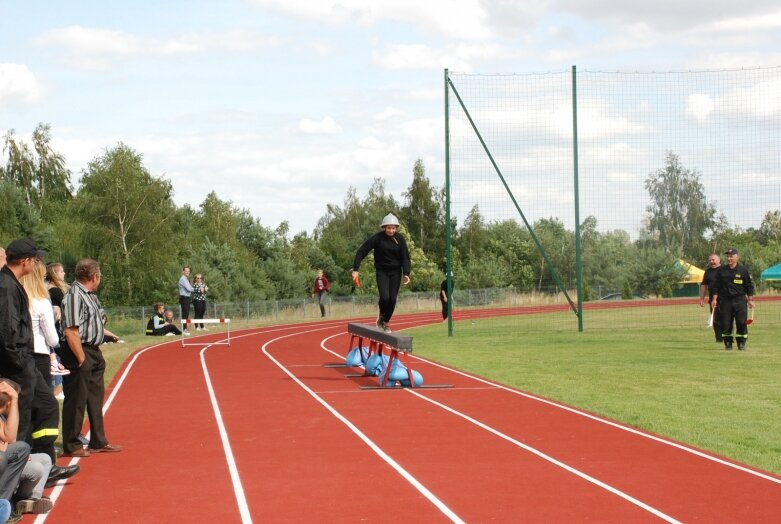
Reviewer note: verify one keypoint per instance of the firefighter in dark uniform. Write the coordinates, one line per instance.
(733, 293)
(708, 285)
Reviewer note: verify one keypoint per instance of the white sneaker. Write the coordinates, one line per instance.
(186, 332)
(204, 329)
(197, 329)
(170, 334)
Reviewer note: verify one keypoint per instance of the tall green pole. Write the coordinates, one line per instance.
(448, 233)
(578, 255)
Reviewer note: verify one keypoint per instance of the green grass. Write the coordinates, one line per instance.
(673, 382)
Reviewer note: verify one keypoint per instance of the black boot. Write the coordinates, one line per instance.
(741, 345)
(728, 345)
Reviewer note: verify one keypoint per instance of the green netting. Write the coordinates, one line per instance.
(718, 133)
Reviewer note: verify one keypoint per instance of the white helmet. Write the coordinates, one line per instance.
(390, 220)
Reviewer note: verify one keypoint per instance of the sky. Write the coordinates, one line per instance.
(281, 106)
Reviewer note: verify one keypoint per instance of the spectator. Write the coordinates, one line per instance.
(391, 263)
(185, 292)
(321, 287)
(159, 326)
(82, 320)
(443, 297)
(29, 491)
(55, 281)
(734, 290)
(16, 335)
(13, 453)
(708, 285)
(199, 300)
(46, 410)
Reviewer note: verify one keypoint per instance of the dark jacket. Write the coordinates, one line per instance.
(16, 333)
(733, 282)
(389, 253)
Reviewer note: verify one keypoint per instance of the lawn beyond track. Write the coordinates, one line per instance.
(261, 431)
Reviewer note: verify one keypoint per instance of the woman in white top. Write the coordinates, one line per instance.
(45, 335)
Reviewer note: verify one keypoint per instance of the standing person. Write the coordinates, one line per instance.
(82, 320)
(185, 290)
(199, 300)
(391, 264)
(708, 286)
(16, 332)
(46, 410)
(443, 297)
(321, 287)
(55, 282)
(734, 290)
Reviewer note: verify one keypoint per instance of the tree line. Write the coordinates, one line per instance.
(124, 216)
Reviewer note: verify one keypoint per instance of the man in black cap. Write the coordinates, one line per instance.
(37, 406)
(16, 335)
(733, 292)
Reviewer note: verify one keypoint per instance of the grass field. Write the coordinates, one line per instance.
(676, 382)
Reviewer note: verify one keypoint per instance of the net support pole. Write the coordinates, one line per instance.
(578, 257)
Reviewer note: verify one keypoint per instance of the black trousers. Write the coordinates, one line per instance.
(83, 389)
(200, 310)
(46, 411)
(38, 409)
(388, 284)
(184, 304)
(733, 310)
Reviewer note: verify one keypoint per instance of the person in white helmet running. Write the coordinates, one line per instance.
(391, 264)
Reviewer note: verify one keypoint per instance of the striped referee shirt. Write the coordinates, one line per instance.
(82, 309)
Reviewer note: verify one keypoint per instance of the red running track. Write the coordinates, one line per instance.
(262, 431)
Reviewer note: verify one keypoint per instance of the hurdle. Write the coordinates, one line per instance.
(188, 321)
(379, 340)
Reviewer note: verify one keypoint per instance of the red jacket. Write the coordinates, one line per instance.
(321, 284)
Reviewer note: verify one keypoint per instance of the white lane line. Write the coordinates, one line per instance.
(596, 418)
(374, 447)
(550, 459)
(537, 452)
(238, 489)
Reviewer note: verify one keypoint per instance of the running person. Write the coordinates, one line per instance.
(391, 264)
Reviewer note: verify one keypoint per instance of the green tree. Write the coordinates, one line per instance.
(423, 215)
(127, 215)
(679, 213)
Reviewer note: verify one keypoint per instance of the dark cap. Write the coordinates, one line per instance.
(731, 251)
(23, 248)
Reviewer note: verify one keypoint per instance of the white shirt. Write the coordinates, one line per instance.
(44, 333)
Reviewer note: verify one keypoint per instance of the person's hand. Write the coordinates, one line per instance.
(3, 446)
(57, 313)
(406, 279)
(702, 301)
(6, 388)
(356, 279)
(313, 295)
(751, 303)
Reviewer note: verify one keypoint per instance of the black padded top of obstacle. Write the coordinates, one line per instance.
(394, 340)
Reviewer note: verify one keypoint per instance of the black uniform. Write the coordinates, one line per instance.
(733, 286)
(391, 263)
(709, 280)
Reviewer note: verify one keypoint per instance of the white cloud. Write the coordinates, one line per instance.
(326, 126)
(18, 84)
(458, 57)
(464, 19)
(699, 106)
(98, 49)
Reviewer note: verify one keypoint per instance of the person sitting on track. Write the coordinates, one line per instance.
(159, 325)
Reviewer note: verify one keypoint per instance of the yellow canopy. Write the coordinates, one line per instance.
(693, 273)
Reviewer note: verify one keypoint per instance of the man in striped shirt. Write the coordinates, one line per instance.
(82, 321)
